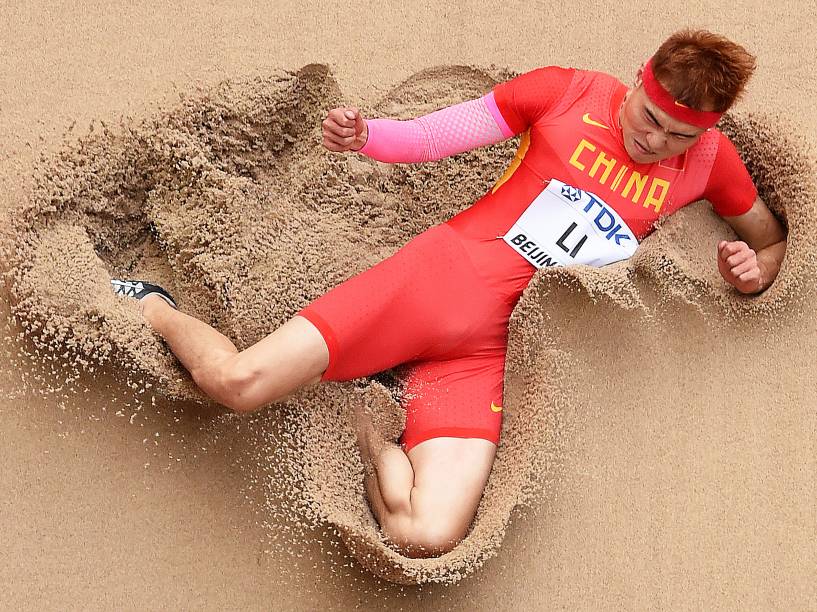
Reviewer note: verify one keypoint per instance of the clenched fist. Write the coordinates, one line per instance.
(738, 265)
(344, 130)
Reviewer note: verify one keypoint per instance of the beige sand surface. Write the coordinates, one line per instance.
(696, 490)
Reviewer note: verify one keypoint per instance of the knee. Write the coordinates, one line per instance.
(236, 383)
(430, 540)
(424, 538)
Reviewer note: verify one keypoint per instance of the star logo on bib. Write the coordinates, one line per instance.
(571, 193)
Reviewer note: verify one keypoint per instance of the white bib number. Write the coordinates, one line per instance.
(565, 226)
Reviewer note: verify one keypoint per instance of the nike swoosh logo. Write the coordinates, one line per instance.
(677, 103)
(590, 121)
(495, 408)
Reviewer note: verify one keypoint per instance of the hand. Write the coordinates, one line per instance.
(739, 267)
(344, 130)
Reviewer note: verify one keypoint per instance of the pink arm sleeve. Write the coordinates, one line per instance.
(452, 130)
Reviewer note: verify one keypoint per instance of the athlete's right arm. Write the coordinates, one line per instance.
(509, 109)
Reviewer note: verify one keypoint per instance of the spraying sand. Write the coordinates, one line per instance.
(229, 202)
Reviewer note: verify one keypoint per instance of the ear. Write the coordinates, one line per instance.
(638, 74)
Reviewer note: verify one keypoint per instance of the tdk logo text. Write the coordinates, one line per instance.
(603, 218)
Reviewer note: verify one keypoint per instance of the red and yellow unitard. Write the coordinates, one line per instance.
(441, 304)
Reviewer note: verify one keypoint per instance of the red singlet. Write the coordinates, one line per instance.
(441, 304)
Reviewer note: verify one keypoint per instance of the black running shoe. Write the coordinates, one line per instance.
(140, 290)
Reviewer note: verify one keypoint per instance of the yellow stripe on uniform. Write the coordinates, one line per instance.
(520, 153)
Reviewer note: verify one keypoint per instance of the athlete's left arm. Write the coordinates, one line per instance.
(751, 264)
(445, 132)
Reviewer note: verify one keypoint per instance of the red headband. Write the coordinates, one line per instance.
(664, 100)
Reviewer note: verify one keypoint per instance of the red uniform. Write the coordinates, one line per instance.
(442, 303)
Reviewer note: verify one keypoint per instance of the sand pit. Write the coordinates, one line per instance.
(229, 201)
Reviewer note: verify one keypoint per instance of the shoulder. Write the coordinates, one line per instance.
(600, 77)
(713, 146)
(548, 77)
(729, 186)
(595, 88)
(545, 76)
(528, 97)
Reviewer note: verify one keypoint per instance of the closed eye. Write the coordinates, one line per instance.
(652, 118)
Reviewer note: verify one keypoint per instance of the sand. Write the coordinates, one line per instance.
(657, 424)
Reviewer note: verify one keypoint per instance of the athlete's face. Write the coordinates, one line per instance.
(649, 133)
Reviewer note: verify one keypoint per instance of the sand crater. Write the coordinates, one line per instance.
(229, 201)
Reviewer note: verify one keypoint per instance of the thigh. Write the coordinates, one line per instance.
(292, 356)
(460, 398)
(449, 478)
(420, 303)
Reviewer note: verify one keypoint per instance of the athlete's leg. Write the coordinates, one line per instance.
(425, 500)
(292, 356)
(381, 317)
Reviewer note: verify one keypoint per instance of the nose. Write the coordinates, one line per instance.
(656, 140)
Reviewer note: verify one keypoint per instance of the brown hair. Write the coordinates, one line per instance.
(702, 69)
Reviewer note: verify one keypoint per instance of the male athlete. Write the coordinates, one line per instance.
(598, 165)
